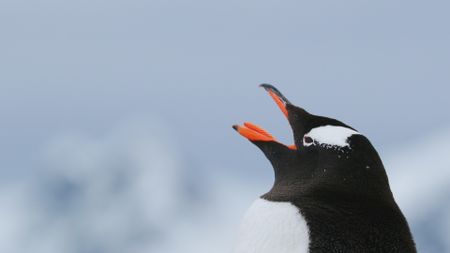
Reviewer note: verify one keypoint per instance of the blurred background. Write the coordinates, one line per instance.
(115, 130)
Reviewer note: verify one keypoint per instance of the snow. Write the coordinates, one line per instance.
(420, 177)
(132, 191)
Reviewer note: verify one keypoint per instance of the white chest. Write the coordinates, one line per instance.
(273, 227)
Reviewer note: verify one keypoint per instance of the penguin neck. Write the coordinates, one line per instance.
(328, 196)
(305, 185)
(286, 189)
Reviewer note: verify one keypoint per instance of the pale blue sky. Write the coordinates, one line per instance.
(381, 66)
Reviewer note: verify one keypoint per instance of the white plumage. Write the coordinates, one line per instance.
(273, 227)
(331, 135)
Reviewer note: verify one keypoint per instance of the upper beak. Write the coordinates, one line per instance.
(255, 133)
(279, 98)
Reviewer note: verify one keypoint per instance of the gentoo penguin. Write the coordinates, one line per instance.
(331, 192)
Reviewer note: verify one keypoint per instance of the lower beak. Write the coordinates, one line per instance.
(253, 132)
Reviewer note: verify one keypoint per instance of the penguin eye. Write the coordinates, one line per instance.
(307, 141)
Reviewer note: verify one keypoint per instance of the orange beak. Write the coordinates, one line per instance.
(276, 95)
(255, 133)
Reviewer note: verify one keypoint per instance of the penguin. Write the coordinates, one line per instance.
(330, 194)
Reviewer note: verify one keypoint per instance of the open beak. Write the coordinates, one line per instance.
(255, 133)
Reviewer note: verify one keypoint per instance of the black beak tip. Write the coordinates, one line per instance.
(270, 87)
(235, 127)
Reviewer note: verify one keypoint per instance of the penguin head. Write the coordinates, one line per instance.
(328, 156)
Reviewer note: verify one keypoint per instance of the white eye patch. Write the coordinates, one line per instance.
(329, 136)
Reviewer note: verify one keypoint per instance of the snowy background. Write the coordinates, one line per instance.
(115, 116)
